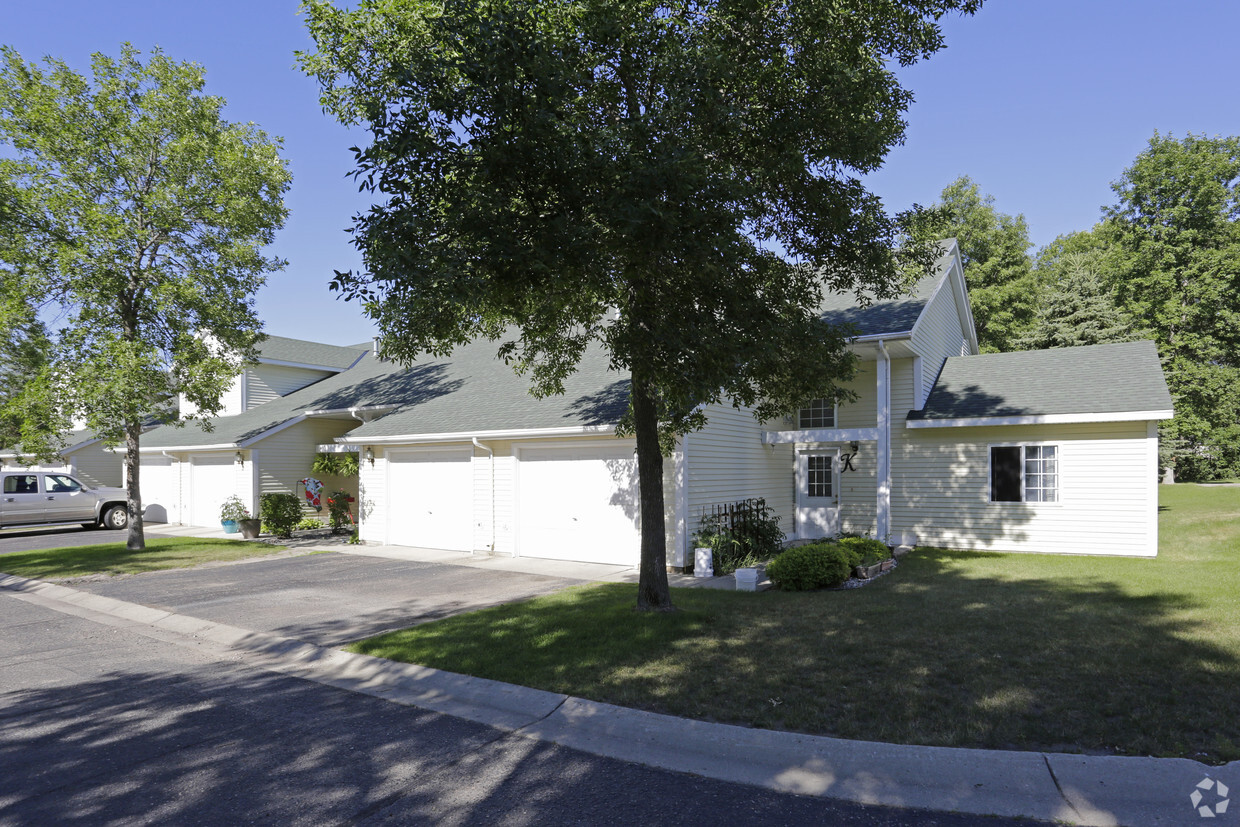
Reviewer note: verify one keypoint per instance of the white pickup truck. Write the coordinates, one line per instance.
(47, 497)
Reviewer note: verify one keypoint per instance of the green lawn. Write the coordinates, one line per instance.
(114, 558)
(954, 648)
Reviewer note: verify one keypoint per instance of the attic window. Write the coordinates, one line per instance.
(819, 414)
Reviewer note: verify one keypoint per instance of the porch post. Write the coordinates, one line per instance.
(883, 504)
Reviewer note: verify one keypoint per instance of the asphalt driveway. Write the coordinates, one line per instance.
(330, 598)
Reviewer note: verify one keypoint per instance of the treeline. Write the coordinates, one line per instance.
(1162, 264)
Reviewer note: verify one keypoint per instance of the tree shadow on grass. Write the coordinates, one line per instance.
(950, 650)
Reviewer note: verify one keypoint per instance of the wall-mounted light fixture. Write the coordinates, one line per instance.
(369, 454)
(855, 447)
(240, 459)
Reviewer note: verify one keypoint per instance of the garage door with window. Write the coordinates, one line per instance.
(430, 500)
(579, 503)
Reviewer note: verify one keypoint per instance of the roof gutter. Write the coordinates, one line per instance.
(467, 436)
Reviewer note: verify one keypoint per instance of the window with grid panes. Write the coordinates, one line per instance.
(819, 414)
(1024, 473)
(818, 476)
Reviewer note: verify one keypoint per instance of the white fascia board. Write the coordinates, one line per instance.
(351, 412)
(465, 436)
(1046, 419)
(821, 435)
(337, 448)
(886, 337)
(183, 449)
(282, 363)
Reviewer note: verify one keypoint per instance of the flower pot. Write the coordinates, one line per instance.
(250, 529)
(230, 526)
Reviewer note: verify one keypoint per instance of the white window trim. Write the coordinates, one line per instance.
(835, 419)
(1058, 446)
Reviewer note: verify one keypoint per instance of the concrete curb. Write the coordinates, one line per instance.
(1075, 789)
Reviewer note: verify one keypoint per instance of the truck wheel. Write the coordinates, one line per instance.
(116, 517)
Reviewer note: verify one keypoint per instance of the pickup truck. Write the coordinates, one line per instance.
(47, 497)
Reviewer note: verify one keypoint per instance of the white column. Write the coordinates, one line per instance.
(1152, 489)
(883, 504)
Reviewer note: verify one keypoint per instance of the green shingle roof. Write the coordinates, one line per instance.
(1098, 379)
(304, 352)
(469, 392)
(889, 315)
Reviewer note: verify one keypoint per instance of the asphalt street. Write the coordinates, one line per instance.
(102, 725)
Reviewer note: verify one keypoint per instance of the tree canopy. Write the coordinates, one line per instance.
(1174, 252)
(994, 250)
(692, 166)
(134, 215)
(1075, 300)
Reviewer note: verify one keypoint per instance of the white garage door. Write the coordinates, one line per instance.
(579, 503)
(213, 479)
(431, 498)
(161, 494)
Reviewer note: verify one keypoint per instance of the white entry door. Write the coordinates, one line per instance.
(213, 479)
(579, 503)
(431, 498)
(818, 501)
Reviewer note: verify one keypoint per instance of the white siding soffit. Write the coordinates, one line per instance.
(1039, 419)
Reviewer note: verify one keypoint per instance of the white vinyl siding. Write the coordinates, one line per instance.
(285, 458)
(493, 497)
(95, 466)
(939, 333)
(726, 462)
(858, 488)
(372, 502)
(1106, 490)
(267, 382)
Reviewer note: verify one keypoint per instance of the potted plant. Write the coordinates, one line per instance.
(232, 512)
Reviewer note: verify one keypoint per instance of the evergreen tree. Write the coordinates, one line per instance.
(1076, 305)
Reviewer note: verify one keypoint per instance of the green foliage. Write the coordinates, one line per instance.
(233, 510)
(813, 566)
(542, 163)
(1076, 305)
(756, 539)
(338, 465)
(308, 524)
(997, 268)
(864, 551)
(1174, 240)
(137, 214)
(338, 510)
(23, 353)
(281, 513)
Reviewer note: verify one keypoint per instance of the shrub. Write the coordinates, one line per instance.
(867, 551)
(812, 566)
(280, 513)
(338, 510)
(757, 538)
(308, 524)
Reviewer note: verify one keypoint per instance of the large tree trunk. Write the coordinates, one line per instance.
(136, 540)
(652, 591)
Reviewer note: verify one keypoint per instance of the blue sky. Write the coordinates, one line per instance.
(1042, 102)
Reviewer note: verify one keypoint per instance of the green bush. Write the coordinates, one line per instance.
(867, 551)
(280, 513)
(338, 509)
(813, 566)
(308, 524)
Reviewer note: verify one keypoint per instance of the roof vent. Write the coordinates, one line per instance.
(376, 350)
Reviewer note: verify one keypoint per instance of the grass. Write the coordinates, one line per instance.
(114, 558)
(1039, 652)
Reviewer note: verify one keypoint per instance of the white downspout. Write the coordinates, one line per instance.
(478, 444)
(883, 504)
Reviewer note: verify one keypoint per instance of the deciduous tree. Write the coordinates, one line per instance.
(138, 214)
(1175, 240)
(693, 165)
(994, 249)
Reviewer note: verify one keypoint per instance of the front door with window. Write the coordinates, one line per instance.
(818, 504)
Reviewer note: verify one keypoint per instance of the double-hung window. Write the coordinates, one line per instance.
(819, 414)
(1024, 473)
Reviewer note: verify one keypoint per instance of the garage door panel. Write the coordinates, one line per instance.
(212, 480)
(579, 503)
(431, 499)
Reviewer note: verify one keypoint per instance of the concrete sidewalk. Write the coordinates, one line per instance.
(1079, 789)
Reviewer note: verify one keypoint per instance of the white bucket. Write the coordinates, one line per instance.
(703, 562)
(746, 580)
